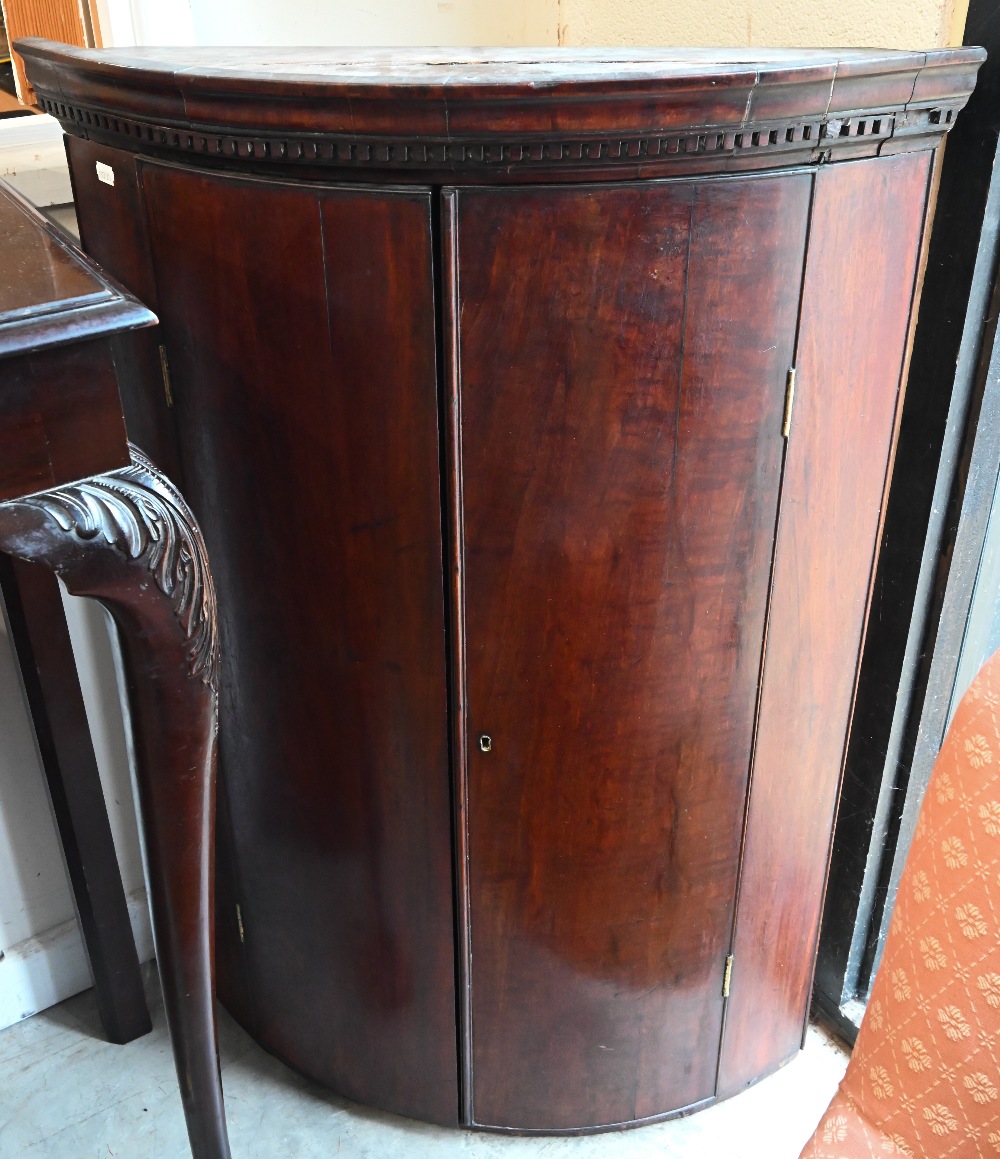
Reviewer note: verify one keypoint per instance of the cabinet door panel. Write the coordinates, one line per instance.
(306, 407)
(112, 223)
(863, 246)
(622, 355)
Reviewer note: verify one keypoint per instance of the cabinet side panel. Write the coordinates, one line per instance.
(112, 222)
(863, 248)
(300, 328)
(622, 361)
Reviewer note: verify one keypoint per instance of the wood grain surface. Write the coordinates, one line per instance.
(622, 356)
(50, 293)
(643, 584)
(114, 231)
(502, 115)
(60, 417)
(307, 415)
(39, 274)
(855, 311)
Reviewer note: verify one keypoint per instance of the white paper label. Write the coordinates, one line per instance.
(105, 173)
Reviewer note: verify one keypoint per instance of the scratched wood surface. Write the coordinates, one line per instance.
(502, 115)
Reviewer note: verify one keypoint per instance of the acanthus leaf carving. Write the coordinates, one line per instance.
(138, 511)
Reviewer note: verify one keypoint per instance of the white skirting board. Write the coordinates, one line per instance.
(46, 969)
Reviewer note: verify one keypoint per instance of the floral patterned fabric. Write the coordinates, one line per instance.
(924, 1078)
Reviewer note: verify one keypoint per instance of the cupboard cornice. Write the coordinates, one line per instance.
(509, 115)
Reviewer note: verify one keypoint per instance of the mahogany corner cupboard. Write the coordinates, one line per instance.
(538, 410)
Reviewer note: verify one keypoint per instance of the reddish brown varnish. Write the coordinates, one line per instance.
(855, 311)
(503, 469)
(60, 417)
(333, 435)
(112, 222)
(619, 504)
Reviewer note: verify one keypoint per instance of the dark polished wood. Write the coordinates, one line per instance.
(78, 500)
(342, 669)
(502, 115)
(48, 292)
(629, 604)
(620, 497)
(836, 475)
(936, 521)
(48, 296)
(59, 413)
(112, 223)
(43, 278)
(60, 416)
(127, 539)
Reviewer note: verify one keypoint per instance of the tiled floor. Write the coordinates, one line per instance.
(67, 1094)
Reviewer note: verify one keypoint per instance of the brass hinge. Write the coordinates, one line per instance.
(239, 919)
(786, 422)
(727, 978)
(165, 370)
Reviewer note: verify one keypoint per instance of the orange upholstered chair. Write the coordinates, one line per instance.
(924, 1078)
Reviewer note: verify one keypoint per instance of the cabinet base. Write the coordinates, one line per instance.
(589, 1129)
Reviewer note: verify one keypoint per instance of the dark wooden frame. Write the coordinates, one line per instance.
(946, 464)
(36, 625)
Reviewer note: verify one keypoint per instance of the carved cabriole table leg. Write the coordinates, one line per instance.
(128, 540)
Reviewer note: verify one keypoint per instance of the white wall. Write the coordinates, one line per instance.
(33, 159)
(884, 23)
(346, 22)
(450, 22)
(915, 24)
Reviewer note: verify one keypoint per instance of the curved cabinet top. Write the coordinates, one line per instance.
(506, 114)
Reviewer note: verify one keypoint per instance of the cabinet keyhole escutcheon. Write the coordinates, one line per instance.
(485, 743)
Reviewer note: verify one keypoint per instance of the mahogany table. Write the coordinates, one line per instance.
(538, 408)
(36, 626)
(79, 502)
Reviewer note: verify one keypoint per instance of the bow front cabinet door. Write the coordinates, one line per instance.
(621, 363)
